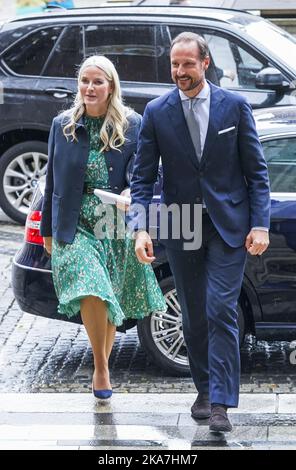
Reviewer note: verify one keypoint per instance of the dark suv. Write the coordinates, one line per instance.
(39, 57)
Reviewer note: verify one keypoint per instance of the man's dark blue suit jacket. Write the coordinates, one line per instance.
(232, 176)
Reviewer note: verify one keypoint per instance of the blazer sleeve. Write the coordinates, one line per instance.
(46, 220)
(132, 156)
(145, 172)
(254, 168)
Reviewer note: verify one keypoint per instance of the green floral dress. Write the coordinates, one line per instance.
(99, 264)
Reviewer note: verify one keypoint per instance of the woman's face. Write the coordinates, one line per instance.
(94, 89)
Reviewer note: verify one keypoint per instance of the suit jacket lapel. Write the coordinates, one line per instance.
(177, 117)
(215, 118)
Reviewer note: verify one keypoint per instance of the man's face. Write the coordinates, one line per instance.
(187, 68)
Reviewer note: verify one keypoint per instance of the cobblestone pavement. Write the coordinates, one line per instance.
(41, 355)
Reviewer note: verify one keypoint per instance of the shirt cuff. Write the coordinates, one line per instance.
(264, 229)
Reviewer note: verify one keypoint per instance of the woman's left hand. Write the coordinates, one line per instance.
(124, 207)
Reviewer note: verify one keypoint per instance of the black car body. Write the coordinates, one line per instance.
(267, 304)
(40, 55)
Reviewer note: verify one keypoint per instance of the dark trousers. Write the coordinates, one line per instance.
(208, 283)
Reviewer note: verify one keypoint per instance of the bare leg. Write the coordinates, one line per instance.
(111, 330)
(95, 319)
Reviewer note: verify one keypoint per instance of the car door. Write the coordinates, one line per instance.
(234, 65)
(136, 51)
(57, 83)
(274, 274)
(22, 64)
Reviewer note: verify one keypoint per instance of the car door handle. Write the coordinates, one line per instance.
(59, 92)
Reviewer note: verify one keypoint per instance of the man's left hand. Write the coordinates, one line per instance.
(257, 242)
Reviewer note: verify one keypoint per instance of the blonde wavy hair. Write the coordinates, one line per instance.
(115, 122)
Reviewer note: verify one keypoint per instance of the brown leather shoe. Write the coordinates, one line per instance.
(219, 421)
(201, 408)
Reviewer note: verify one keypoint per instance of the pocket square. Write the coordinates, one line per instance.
(223, 131)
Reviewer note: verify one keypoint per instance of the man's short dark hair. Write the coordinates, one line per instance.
(193, 37)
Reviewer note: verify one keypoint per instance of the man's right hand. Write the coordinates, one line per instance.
(144, 247)
(47, 243)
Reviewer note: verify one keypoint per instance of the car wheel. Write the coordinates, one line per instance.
(21, 167)
(161, 335)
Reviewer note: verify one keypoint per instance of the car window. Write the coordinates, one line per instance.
(67, 55)
(13, 33)
(238, 67)
(280, 155)
(232, 65)
(28, 56)
(132, 49)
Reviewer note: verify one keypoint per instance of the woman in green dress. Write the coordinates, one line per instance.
(95, 269)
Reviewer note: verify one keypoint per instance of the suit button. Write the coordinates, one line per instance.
(110, 168)
(115, 187)
(198, 200)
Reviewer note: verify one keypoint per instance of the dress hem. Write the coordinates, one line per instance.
(139, 316)
(104, 299)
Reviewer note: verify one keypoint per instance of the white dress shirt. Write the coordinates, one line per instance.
(201, 110)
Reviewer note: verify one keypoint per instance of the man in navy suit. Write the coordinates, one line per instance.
(211, 156)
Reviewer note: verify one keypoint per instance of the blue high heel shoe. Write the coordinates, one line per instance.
(102, 394)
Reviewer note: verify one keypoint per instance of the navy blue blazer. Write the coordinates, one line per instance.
(231, 177)
(65, 176)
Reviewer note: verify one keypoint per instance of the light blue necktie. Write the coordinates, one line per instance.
(193, 126)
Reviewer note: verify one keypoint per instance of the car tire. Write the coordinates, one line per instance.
(151, 326)
(147, 328)
(33, 158)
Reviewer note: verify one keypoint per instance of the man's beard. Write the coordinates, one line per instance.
(192, 84)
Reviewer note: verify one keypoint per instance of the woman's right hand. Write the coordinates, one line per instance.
(124, 207)
(47, 243)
